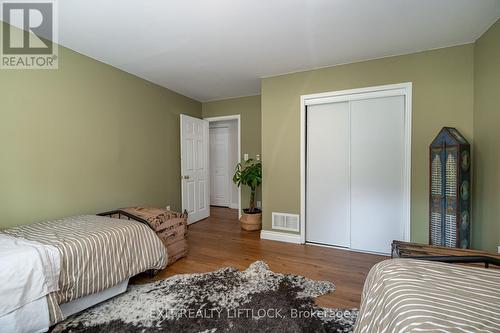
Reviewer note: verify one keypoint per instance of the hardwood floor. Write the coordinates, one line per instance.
(218, 241)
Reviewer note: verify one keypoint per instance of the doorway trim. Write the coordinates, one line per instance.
(236, 117)
(400, 89)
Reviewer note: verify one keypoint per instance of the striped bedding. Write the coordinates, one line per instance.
(405, 295)
(96, 253)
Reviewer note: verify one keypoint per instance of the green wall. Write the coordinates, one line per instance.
(250, 116)
(84, 139)
(89, 137)
(486, 167)
(442, 96)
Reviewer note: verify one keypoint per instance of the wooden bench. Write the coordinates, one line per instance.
(444, 254)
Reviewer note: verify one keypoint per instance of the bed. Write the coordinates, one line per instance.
(97, 257)
(409, 295)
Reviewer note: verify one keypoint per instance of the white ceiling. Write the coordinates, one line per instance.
(214, 49)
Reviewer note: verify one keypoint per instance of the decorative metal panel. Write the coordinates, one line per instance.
(437, 182)
(451, 176)
(449, 197)
(436, 222)
(436, 190)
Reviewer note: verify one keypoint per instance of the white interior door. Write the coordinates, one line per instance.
(377, 173)
(194, 168)
(219, 161)
(328, 174)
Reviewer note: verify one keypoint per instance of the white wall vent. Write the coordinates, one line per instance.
(288, 222)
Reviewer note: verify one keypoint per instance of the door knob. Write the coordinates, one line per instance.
(185, 177)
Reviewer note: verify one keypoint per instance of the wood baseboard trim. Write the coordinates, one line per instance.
(280, 236)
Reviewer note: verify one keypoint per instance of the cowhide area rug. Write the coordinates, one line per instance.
(227, 300)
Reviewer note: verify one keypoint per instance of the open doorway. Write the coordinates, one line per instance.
(225, 153)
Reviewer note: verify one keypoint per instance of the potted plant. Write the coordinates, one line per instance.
(250, 173)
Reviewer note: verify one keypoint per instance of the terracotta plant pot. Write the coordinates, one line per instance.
(251, 222)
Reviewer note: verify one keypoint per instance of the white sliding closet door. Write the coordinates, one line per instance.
(328, 174)
(356, 192)
(377, 171)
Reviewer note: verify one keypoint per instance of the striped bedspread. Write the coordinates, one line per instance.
(404, 295)
(96, 253)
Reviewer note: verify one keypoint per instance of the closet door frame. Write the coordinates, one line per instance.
(400, 89)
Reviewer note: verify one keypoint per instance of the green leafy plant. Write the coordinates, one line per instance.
(249, 173)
